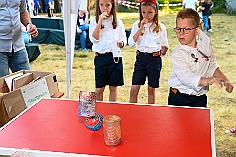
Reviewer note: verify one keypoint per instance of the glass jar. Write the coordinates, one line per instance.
(112, 130)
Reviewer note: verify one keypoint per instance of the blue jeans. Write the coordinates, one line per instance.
(205, 21)
(14, 60)
(83, 35)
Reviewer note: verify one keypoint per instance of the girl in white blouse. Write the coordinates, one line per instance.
(150, 37)
(107, 33)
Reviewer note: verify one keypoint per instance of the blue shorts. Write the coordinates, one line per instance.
(107, 72)
(147, 65)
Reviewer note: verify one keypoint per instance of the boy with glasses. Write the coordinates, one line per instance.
(193, 69)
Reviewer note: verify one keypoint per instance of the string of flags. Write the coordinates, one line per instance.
(135, 5)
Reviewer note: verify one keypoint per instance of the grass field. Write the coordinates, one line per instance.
(223, 39)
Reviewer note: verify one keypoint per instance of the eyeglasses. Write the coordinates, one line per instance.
(184, 30)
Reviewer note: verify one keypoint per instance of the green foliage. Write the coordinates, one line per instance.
(219, 6)
(121, 8)
(169, 1)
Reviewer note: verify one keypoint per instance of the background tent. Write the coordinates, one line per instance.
(70, 9)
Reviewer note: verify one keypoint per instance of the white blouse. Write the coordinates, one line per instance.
(150, 41)
(108, 35)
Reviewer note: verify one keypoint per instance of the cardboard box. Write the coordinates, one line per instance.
(12, 102)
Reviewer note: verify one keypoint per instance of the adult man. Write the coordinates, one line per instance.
(13, 53)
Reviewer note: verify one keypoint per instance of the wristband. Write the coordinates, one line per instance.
(27, 24)
(27, 28)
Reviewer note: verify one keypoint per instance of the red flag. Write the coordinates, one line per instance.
(153, 1)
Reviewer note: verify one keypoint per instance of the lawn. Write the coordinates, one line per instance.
(223, 39)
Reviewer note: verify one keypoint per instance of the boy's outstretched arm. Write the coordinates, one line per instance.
(228, 86)
(217, 79)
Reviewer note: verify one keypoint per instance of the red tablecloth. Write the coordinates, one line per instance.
(147, 131)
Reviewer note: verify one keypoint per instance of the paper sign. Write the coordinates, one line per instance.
(116, 50)
(159, 42)
(87, 103)
(21, 80)
(204, 42)
(34, 92)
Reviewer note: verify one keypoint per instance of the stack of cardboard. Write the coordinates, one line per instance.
(22, 89)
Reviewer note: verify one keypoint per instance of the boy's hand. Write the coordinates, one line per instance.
(228, 86)
(215, 81)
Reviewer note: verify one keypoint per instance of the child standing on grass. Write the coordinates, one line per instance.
(190, 78)
(107, 33)
(206, 12)
(199, 11)
(150, 37)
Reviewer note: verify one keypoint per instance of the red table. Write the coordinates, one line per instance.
(147, 130)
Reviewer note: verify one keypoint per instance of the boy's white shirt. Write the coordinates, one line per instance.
(186, 73)
(108, 35)
(148, 42)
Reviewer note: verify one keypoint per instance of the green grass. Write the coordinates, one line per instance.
(224, 43)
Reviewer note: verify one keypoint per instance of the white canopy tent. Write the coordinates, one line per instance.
(70, 11)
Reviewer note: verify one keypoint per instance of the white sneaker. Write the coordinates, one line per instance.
(231, 131)
(210, 30)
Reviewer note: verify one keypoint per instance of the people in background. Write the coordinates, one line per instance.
(31, 7)
(36, 7)
(150, 37)
(27, 5)
(193, 70)
(206, 12)
(199, 11)
(13, 53)
(61, 5)
(107, 33)
(50, 7)
(190, 4)
(82, 28)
